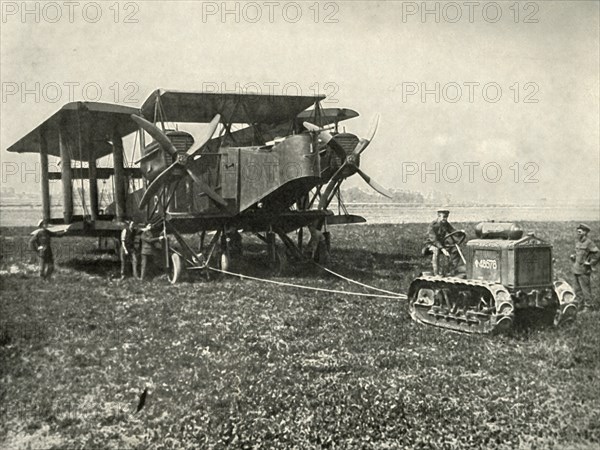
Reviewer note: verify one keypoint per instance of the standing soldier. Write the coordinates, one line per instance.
(317, 246)
(148, 241)
(436, 232)
(40, 243)
(127, 250)
(585, 257)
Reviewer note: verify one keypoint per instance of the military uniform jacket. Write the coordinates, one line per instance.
(437, 231)
(40, 243)
(148, 241)
(127, 238)
(585, 251)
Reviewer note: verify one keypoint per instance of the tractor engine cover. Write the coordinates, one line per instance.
(525, 263)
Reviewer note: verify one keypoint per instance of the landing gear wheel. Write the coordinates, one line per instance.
(225, 262)
(175, 273)
(327, 236)
(280, 263)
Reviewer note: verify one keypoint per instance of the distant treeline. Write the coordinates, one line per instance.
(357, 195)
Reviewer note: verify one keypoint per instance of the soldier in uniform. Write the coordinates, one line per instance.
(148, 240)
(317, 246)
(40, 243)
(127, 250)
(585, 257)
(434, 245)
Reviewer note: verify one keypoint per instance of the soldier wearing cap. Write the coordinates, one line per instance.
(585, 257)
(436, 232)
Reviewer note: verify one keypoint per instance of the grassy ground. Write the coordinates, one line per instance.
(239, 364)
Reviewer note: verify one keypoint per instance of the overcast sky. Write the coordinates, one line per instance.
(517, 93)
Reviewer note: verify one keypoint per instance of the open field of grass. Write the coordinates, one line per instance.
(234, 363)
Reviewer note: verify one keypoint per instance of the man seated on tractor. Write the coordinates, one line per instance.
(435, 244)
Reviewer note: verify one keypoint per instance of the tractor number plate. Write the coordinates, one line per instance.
(491, 264)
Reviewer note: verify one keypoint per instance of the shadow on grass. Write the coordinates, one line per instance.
(104, 251)
(99, 267)
(361, 264)
(529, 323)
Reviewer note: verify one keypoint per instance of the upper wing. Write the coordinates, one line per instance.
(99, 121)
(201, 107)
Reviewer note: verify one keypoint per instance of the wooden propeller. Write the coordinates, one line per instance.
(349, 167)
(182, 160)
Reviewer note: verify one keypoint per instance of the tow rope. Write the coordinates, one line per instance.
(312, 288)
(395, 294)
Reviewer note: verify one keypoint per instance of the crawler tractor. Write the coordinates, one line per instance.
(507, 277)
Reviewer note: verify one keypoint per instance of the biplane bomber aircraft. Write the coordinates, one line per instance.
(265, 164)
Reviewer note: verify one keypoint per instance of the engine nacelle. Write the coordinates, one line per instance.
(154, 166)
